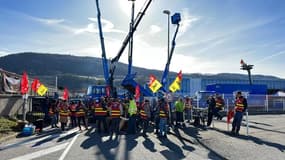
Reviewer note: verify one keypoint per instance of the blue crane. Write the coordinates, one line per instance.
(175, 19)
(109, 74)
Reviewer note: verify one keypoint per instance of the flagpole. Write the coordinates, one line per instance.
(228, 127)
(56, 84)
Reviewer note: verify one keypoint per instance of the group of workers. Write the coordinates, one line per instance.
(116, 116)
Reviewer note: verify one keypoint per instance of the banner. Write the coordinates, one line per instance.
(154, 84)
(11, 84)
(42, 90)
(65, 94)
(175, 85)
(24, 83)
(137, 93)
(35, 85)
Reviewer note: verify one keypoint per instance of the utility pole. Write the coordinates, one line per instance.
(168, 28)
(247, 67)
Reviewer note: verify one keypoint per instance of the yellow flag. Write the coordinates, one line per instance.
(154, 84)
(42, 90)
(175, 85)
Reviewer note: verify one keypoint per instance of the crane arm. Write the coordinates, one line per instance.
(135, 25)
(104, 59)
(166, 70)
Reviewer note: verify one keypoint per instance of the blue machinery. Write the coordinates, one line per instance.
(129, 83)
(175, 19)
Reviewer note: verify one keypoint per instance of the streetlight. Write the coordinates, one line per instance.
(246, 67)
(168, 21)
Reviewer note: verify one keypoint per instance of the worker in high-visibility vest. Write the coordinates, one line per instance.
(188, 109)
(240, 108)
(81, 114)
(116, 110)
(72, 114)
(51, 113)
(220, 103)
(63, 114)
(145, 115)
(132, 112)
(163, 116)
(100, 114)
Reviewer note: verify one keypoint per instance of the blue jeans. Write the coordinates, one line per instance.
(53, 121)
(188, 114)
(237, 122)
(132, 125)
(162, 126)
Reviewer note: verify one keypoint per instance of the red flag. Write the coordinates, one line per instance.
(241, 62)
(179, 75)
(35, 85)
(108, 89)
(137, 94)
(230, 116)
(24, 83)
(65, 94)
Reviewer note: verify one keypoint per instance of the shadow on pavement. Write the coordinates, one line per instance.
(148, 144)
(104, 147)
(174, 152)
(256, 140)
(194, 132)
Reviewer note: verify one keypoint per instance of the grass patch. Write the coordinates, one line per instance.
(7, 125)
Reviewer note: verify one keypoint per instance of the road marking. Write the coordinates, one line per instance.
(32, 141)
(68, 148)
(41, 152)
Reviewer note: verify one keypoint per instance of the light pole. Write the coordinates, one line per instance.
(168, 26)
(247, 67)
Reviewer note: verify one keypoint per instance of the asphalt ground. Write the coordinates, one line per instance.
(266, 140)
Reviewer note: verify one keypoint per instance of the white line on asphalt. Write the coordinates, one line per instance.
(29, 141)
(68, 148)
(41, 152)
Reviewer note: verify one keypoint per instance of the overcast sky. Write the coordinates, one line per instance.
(214, 35)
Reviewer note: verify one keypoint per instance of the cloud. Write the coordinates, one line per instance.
(4, 52)
(187, 21)
(49, 21)
(270, 57)
(154, 29)
(107, 26)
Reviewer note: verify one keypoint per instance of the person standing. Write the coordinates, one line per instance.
(188, 109)
(163, 116)
(220, 103)
(145, 115)
(72, 109)
(116, 110)
(132, 112)
(100, 114)
(81, 114)
(211, 107)
(179, 107)
(63, 114)
(240, 108)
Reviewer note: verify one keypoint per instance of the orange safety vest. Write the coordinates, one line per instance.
(72, 109)
(163, 113)
(99, 111)
(115, 113)
(80, 112)
(50, 111)
(142, 113)
(63, 112)
(188, 105)
(219, 103)
(239, 106)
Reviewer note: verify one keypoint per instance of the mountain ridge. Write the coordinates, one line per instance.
(79, 71)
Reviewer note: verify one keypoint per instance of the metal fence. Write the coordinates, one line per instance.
(256, 103)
